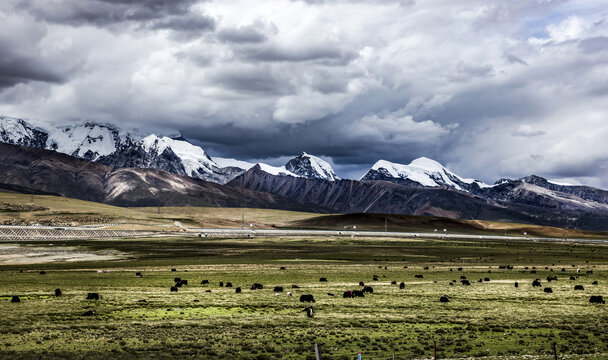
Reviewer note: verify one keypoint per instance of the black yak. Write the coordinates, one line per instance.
(173, 289)
(579, 287)
(92, 296)
(205, 282)
(278, 289)
(323, 279)
(15, 299)
(597, 299)
(57, 292)
(402, 285)
(307, 298)
(536, 283)
(444, 299)
(548, 290)
(257, 286)
(237, 290)
(368, 289)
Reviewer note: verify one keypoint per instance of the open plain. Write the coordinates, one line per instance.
(487, 319)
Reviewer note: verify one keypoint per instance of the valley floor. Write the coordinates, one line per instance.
(488, 319)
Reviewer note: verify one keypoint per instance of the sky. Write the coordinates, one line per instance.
(491, 89)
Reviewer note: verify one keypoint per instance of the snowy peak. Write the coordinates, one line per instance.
(422, 171)
(89, 141)
(19, 132)
(194, 159)
(311, 167)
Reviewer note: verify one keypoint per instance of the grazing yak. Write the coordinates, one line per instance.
(205, 282)
(516, 284)
(57, 292)
(418, 276)
(237, 290)
(536, 283)
(307, 298)
(393, 283)
(295, 287)
(43, 272)
(283, 268)
(173, 269)
(331, 294)
(92, 296)
(15, 299)
(595, 283)
(597, 299)
(548, 290)
(89, 313)
(278, 289)
(375, 278)
(465, 282)
(353, 294)
(462, 277)
(138, 274)
(444, 299)
(177, 280)
(257, 286)
(551, 278)
(579, 287)
(229, 284)
(309, 312)
(221, 284)
(361, 283)
(323, 279)
(368, 289)
(173, 289)
(402, 286)
(289, 293)
(486, 279)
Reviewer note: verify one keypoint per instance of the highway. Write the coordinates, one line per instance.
(16, 233)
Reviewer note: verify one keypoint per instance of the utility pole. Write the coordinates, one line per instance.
(242, 220)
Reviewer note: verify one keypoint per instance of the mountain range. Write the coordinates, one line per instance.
(98, 162)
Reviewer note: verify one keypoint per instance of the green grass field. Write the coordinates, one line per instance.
(484, 320)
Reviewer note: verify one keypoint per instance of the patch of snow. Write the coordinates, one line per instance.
(226, 162)
(276, 170)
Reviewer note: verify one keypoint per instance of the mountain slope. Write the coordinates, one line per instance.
(517, 204)
(57, 173)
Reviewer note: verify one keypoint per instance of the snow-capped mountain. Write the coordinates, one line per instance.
(104, 143)
(422, 171)
(19, 132)
(311, 167)
(88, 141)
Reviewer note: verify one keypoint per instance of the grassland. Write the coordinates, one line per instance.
(491, 319)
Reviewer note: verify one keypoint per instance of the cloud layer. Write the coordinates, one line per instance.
(501, 89)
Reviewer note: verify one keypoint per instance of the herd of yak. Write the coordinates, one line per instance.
(308, 298)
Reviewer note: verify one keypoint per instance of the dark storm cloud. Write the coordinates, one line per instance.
(274, 53)
(252, 33)
(176, 15)
(17, 68)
